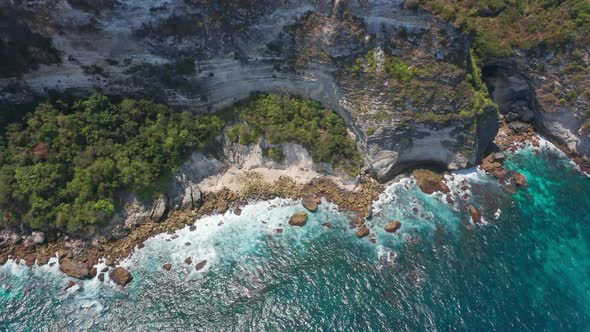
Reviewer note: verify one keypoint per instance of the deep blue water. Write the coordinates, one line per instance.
(526, 270)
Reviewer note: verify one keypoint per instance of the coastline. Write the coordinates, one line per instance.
(237, 187)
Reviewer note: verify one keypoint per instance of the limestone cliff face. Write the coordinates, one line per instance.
(399, 77)
(551, 92)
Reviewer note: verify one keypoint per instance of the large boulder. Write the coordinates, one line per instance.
(74, 269)
(298, 219)
(363, 231)
(393, 226)
(430, 182)
(160, 208)
(120, 276)
(38, 237)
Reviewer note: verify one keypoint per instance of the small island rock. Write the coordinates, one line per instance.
(393, 226)
(298, 219)
(519, 179)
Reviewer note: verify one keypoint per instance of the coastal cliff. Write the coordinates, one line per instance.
(399, 77)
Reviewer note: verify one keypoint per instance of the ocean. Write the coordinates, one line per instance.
(526, 268)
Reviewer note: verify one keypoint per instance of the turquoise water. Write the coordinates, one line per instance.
(526, 269)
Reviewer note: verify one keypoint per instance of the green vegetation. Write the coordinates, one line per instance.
(281, 119)
(503, 25)
(66, 165)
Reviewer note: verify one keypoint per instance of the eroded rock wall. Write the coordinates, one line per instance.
(205, 55)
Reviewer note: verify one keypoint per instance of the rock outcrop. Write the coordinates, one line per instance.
(75, 269)
(120, 276)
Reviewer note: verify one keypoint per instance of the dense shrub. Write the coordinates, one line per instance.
(66, 166)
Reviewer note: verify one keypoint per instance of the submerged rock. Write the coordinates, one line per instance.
(74, 269)
(167, 266)
(101, 277)
(363, 231)
(70, 284)
(328, 225)
(188, 261)
(393, 226)
(120, 276)
(200, 265)
(298, 219)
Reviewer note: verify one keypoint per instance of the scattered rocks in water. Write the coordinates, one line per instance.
(105, 269)
(415, 210)
(493, 164)
(310, 203)
(450, 200)
(430, 182)
(200, 265)
(3, 259)
(373, 240)
(359, 221)
(328, 225)
(393, 226)
(167, 266)
(279, 230)
(188, 244)
(93, 272)
(519, 179)
(140, 246)
(363, 231)
(120, 276)
(298, 219)
(238, 211)
(74, 269)
(192, 228)
(101, 277)
(70, 284)
(475, 214)
(188, 261)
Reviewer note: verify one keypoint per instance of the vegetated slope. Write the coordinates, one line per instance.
(69, 166)
(281, 119)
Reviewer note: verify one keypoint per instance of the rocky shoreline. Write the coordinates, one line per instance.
(78, 258)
